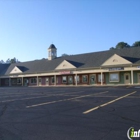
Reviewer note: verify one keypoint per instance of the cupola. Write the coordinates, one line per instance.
(52, 52)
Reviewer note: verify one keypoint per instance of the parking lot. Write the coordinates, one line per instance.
(68, 113)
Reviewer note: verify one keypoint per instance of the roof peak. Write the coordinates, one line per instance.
(52, 46)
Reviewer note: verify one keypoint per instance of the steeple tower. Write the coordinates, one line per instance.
(52, 52)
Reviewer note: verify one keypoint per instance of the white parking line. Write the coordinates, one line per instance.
(52, 102)
(23, 99)
(105, 96)
(92, 109)
(41, 96)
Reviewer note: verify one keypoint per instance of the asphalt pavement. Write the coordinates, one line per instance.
(68, 113)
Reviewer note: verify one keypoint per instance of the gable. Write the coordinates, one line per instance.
(65, 65)
(15, 70)
(116, 60)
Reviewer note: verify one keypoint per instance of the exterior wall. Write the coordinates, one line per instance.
(121, 81)
(135, 76)
(58, 80)
(65, 65)
(14, 82)
(31, 84)
(81, 80)
(99, 83)
(93, 79)
(43, 80)
(5, 81)
(66, 81)
(116, 60)
(50, 80)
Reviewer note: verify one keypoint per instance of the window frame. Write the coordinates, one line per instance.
(20, 80)
(34, 81)
(52, 78)
(70, 82)
(63, 81)
(118, 74)
(84, 81)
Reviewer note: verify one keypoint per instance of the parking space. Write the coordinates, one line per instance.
(68, 113)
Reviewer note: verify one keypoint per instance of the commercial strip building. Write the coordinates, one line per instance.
(121, 67)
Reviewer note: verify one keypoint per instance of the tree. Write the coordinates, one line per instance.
(136, 44)
(64, 54)
(112, 48)
(2, 62)
(122, 45)
(13, 60)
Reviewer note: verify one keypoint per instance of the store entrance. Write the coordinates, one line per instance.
(70, 79)
(127, 78)
(92, 79)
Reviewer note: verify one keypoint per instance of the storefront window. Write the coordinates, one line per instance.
(84, 78)
(64, 79)
(114, 77)
(19, 81)
(33, 80)
(53, 80)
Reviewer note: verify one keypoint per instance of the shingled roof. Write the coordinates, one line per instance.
(87, 60)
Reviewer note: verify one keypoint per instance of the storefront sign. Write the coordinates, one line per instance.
(65, 72)
(116, 69)
(14, 76)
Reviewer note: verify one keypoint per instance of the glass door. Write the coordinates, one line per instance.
(47, 81)
(92, 79)
(70, 79)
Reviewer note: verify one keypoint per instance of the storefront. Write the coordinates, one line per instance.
(112, 67)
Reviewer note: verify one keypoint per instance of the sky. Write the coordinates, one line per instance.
(28, 27)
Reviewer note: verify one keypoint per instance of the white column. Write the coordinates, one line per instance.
(22, 81)
(55, 80)
(76, 79)
(132, 77)
(37, 81)
(101, 78)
